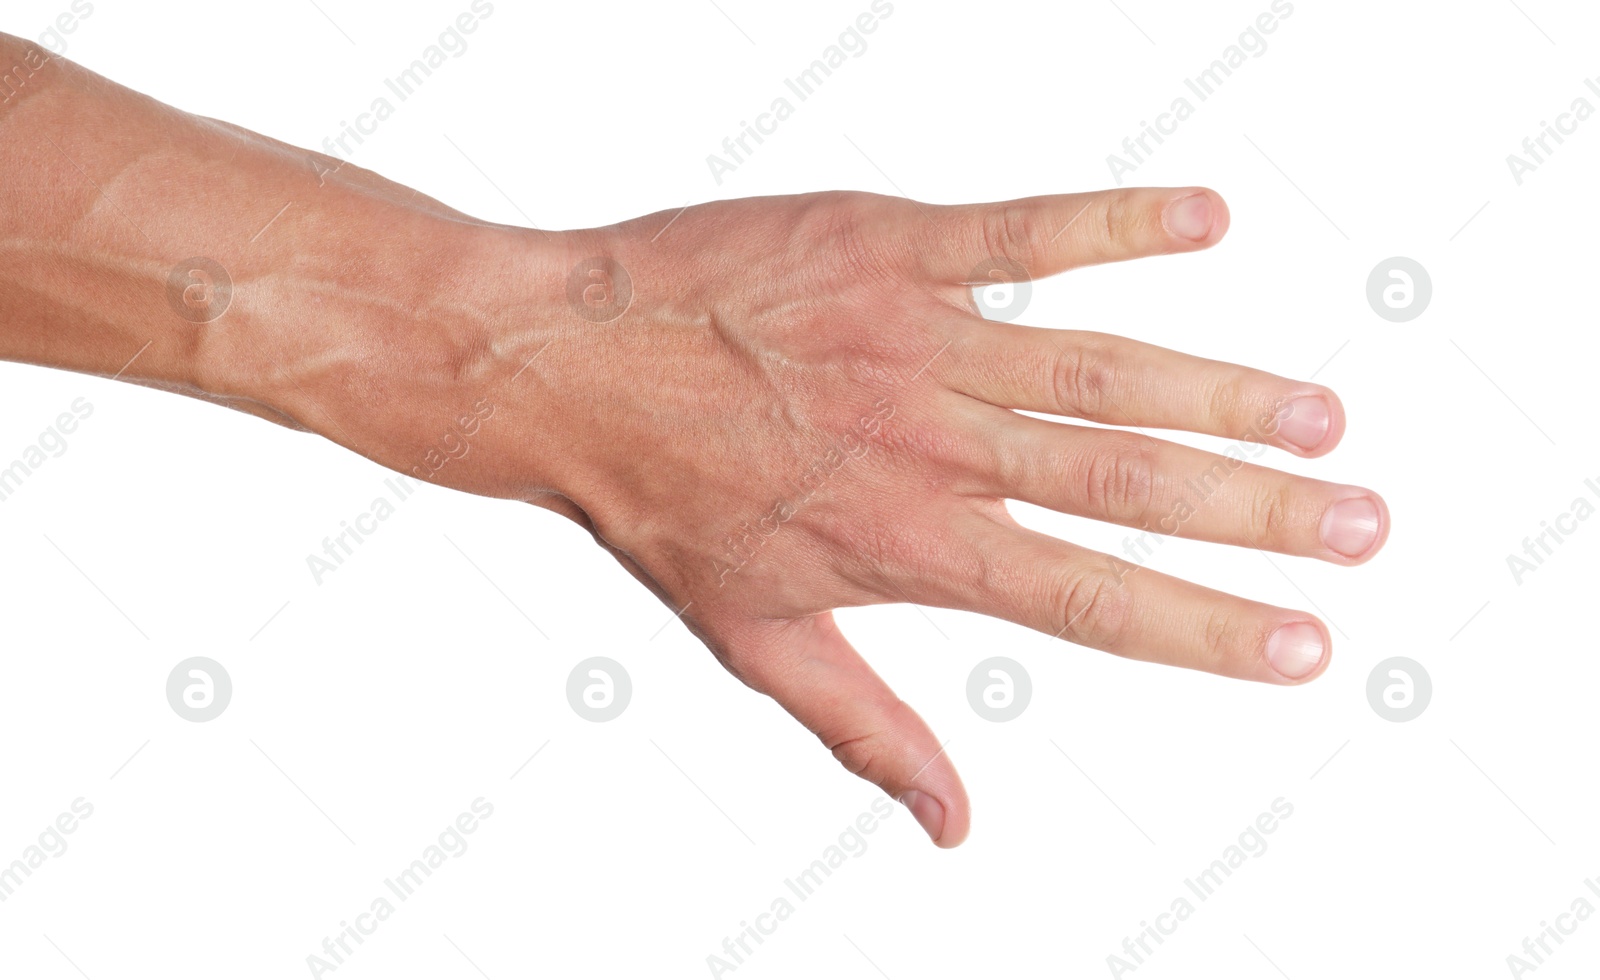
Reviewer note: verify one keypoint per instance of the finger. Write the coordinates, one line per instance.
(810, 669)
(1054, 233)
(1117, 381)
(1164, 488)
(1117, 605)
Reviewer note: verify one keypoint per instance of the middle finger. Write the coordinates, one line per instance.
(1138, 481)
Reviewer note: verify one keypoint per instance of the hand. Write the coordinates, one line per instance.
(801, 409)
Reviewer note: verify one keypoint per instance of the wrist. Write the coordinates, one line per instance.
(399, 338)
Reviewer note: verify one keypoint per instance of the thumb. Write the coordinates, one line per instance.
(809, 668)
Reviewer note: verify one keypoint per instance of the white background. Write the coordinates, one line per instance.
(370, 710)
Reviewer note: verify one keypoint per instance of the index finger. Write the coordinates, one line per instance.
(1045, 235)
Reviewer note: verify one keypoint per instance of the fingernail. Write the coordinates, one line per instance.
(1307, 422)
(1190, 217)
(927, 810)
(1351, 526)
(1295, 650)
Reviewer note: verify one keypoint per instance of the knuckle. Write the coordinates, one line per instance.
(1011, 231)
(1120, 481)
(1115, 225)
(847, 221)
(857, 754)
(1227, 646)
(868, 755)
(1095, 607)
(1226, 403)
(1081, 380)
(1270, 517)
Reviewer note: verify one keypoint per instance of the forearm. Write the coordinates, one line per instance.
(76, 267)
(198, 257)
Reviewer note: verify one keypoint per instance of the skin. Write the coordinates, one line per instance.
(801, 408)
